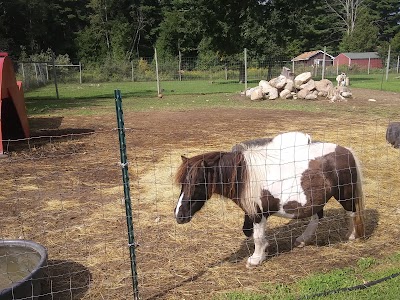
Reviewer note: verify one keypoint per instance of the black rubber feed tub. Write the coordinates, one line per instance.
(21, 263)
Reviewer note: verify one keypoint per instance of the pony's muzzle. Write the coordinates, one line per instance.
(181, 216)
(180, 219)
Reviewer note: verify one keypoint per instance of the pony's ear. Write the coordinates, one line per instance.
(184, 158)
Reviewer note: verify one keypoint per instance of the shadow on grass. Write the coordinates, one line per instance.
(335, 224)
(356, 79)
(45, 131)
(46, 103)
(65, 279)
(40, 123)
(50, 127)
(232, 82)
(36, 107)
(91, 96)
(284, 234)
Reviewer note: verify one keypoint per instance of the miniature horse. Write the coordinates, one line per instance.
(287, 176)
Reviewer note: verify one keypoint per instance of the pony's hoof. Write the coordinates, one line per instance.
(253, 262)
(299, 244)
(252, 266)
(352, 237)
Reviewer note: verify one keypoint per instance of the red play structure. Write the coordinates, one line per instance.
(13, 118)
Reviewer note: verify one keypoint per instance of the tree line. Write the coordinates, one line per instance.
(94, 31)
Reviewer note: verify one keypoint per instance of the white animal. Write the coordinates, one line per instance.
(341, 79)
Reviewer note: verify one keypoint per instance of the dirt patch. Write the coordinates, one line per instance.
(62, 188)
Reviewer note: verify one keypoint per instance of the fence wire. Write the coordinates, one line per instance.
(189, 69)
(61, 188)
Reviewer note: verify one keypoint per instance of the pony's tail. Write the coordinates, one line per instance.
(359, 220)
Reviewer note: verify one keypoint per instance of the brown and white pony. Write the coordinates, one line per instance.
(287, 176)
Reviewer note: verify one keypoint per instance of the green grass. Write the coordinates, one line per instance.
(133, 89)
(375, 82)
(367, 269)
(200, 87)
(85, 101)
(138, 96)
(83, 106)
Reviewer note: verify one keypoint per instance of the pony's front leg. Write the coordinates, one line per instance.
(260, 244)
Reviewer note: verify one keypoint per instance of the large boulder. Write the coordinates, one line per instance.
(347, 94)
(393, 134)
(301, 79)
(249, 91)
(289, 85)
(273, 94)
(269, 90)
(285, 94)
(257, 94)
(278, 82)
(309, 85)
(265, 86)
(323, 85)
(311, 96)
(303, 93)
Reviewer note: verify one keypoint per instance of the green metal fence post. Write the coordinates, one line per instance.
(127, 196)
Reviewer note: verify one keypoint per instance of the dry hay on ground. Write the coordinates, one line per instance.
(66, 194)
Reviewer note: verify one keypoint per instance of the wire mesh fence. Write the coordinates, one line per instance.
(190, 68)
(37, 74)
(62, 188)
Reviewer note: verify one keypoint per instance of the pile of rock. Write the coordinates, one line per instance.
(300, 87)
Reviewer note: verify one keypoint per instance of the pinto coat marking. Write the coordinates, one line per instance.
(281, 177)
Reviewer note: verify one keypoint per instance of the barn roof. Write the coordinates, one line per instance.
(308, 55)
(361, 55)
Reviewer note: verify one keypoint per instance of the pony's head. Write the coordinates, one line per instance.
(195, 176)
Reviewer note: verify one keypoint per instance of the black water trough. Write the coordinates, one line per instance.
(21, 264)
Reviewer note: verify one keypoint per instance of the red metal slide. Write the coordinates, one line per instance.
(13, 117)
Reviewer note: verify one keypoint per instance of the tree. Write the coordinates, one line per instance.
(346, 11)
(152, 17)
(387, 17)
(31, 26)
(117, 28)
(22, 25)
(95, 30)
(65, 19)
(364, 36)
(309, 27)
(217, 24)
(176, 34)
(395, 44)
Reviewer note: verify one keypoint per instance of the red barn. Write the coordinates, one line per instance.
(314, 58)
(362, 59)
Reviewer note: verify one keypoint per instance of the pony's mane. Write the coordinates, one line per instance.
(242, 146)
(194, 165)
(228, 169)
